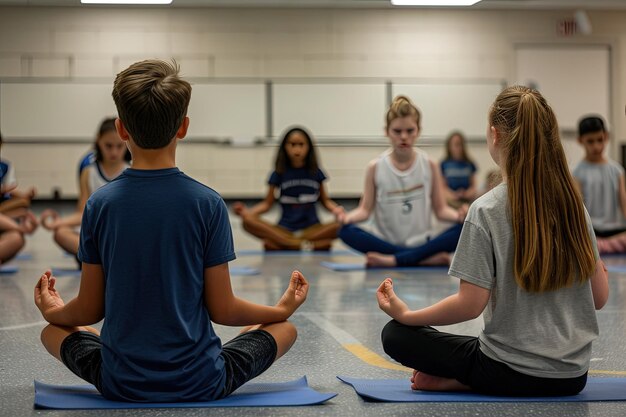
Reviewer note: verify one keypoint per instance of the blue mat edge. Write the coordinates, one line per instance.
(300, 384)
(338, 266)
(474, 397)
(8, 269)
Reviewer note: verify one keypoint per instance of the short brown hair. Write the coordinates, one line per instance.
(151, 102)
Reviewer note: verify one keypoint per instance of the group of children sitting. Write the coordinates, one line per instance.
(403, 189)
(526, 255)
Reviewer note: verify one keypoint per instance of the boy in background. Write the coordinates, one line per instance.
(602, 184)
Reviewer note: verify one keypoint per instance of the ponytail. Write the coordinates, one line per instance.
(552, 245)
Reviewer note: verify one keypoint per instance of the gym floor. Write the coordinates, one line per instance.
(339, 325)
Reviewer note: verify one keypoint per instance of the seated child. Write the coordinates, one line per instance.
(300, 180)
(459, 171)
(109, 161)
(602, 184)
(155, 246)
(403, 188)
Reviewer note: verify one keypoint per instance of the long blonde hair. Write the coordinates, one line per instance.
(552, 245)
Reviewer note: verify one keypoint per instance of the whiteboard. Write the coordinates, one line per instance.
(341, 110)
(73, 110)
(54, 110)
(452, 106)
(227, 110)
(344, 110)
(574, 79)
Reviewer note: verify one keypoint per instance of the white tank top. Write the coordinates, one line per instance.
(403, 206)
(97, 178)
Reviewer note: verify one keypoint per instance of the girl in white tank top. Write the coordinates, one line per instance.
(403, 188)
(402, 214)
(110, 161)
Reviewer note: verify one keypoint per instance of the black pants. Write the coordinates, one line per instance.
(459, 357)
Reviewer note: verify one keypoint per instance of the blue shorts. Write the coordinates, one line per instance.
(245, 357)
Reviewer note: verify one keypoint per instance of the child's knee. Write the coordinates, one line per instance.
(47, 335)
(345, 231)
(18, 239)
(391, 337)
(291, 331)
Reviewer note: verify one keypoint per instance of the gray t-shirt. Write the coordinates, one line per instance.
(545, 334)
(599, 184)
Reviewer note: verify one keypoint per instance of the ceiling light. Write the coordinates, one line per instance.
(434, 2)
(126, 1)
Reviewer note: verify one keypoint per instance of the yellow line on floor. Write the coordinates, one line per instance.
(601, 372)
(372, 358)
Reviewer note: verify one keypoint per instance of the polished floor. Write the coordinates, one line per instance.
(338, 325)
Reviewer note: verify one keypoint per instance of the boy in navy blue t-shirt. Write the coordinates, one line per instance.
(155, 267)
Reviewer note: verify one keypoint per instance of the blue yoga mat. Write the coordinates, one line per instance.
(24, 256)
(399, 390)
(291, 393)
(243, 270)
(340, 266)
(8, 269)
(60, 272)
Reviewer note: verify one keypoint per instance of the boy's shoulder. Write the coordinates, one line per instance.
(178, 183)
(610, 164)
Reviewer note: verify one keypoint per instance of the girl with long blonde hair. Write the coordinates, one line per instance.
(527, 260)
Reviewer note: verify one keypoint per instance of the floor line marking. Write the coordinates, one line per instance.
(23, 326)
(602, 372)
(352, 345)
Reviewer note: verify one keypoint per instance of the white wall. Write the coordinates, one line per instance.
(278, 43)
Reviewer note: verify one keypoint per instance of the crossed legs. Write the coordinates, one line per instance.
(276, 237)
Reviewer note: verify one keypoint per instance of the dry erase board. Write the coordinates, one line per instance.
(337, 110)
(575, 79)
(62, 110)
(73, 110)
(227, 110)
(451, 106)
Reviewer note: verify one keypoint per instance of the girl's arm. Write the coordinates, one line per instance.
(621, 194)
(85, 192)
(468, 303)
(329, 204)
(227, 309)
(368, 199)
(75, 218)
(600, 285)
(472, 190)
(261, 207)
(441, 208)
(8, 224)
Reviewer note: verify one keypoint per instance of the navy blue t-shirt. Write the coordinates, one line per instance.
(299, 191)
(4, 173)
(154, 232)
(457, 173)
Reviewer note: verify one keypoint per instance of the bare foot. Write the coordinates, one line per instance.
(441, 258)
(375, 259)
(426, 382)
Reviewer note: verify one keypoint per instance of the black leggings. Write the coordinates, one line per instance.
(459, 357)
